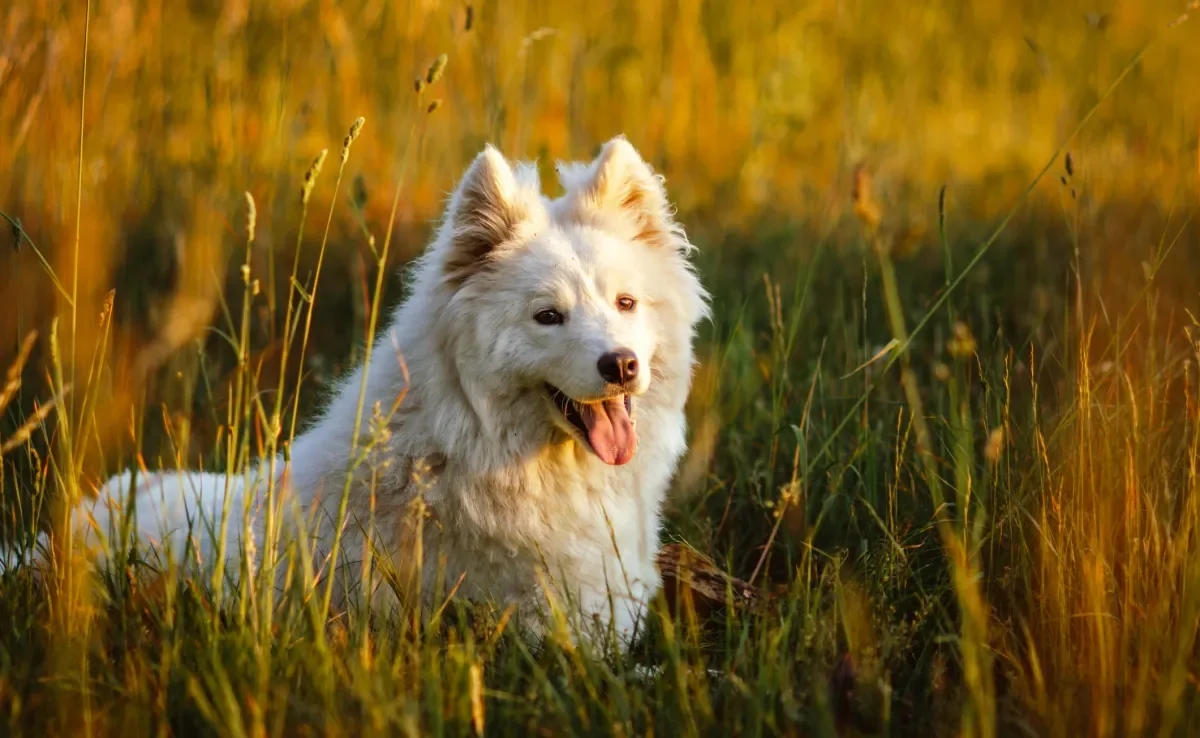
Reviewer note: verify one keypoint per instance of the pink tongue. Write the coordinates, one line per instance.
(610, 430)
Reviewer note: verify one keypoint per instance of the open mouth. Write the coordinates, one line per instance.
(607, 425)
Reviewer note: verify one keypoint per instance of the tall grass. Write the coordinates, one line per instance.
(950, 439)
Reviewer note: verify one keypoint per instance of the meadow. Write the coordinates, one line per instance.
(944, 468)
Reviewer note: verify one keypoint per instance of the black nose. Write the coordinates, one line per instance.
(618, 367)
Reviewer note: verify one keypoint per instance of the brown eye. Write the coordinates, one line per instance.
(625, 303)
(549, 317)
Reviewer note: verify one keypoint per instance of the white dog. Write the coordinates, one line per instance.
(546, 357)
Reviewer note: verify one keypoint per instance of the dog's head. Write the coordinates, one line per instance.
(570, 310)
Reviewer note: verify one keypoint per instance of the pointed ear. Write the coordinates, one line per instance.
(619, 184)
(490, 209)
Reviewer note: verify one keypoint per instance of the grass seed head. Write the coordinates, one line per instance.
(962, 344)
(355, 129)
(864, 203)
(251, 217)
(995, 445)
(17, 232)
(12, 381)
(436, 69)
(310, 177)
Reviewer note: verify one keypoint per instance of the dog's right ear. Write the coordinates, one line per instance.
(491, 208)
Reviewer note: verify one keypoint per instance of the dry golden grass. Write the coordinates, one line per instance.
(954, 447)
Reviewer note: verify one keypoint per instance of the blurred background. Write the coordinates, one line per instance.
(849, 169)
(758, 114)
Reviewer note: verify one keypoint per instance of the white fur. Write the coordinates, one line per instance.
(515, 499)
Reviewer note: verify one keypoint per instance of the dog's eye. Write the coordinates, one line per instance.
(625, 303)
(548, 316)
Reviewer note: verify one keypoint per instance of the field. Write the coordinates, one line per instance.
(946, 427)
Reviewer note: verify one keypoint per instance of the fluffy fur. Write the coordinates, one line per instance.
(461, 411)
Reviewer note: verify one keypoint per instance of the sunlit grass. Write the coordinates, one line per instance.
(950, 436)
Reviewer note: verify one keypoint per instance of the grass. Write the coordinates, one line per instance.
(954, 445)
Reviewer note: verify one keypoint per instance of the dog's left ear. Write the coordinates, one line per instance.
(619, 182)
